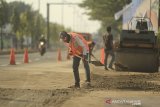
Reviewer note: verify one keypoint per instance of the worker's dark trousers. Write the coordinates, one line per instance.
(107, 53)
(76, 62)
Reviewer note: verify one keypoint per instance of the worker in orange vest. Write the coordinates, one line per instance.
(79, 49)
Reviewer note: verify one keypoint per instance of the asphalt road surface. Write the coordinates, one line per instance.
(44, 82)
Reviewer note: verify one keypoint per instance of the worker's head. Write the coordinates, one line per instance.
(64, 36)
(108, 28)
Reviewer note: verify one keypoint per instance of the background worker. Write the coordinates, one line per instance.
(109, 48)
(79, 49)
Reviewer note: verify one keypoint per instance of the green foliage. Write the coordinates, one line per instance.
(104, 10)
(26, 21)
(18, 17)
(55, 29)
(3, 13)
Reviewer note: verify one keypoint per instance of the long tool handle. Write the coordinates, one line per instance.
(81, 57)
(94, 57)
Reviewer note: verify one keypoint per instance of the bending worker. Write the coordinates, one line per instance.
(79, 50)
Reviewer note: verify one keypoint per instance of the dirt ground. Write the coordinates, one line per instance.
(46, 85)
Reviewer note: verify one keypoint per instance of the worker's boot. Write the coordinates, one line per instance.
(87, 84)
(77, 85)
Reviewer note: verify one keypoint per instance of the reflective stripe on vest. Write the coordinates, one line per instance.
(74, 46)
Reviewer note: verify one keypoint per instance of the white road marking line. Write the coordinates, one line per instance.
(18, 63)
(4, 65)
(37, 59)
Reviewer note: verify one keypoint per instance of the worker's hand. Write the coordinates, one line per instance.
(70, 53)
(85, 57)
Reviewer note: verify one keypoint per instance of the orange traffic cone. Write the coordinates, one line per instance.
(26, 56)
(59, 55)
(12, 57)
(102, 56)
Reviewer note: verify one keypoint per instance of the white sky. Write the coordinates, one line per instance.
(71, 16)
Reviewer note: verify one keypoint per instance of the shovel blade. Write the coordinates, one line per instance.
(97, 63)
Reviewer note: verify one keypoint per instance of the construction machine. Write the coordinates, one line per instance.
(137, 49)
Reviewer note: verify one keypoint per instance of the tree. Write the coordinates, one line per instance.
(26, 21)
(104, 10)
(3, 17)
(3, 13)
(56, 28)
(17, 17)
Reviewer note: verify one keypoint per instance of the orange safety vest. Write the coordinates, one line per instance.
(75, 48)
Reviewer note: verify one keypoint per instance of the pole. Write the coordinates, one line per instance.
(1, 40)
(158, 36)
(62, 9)
(48, 29)
(73, 18)
(150, 11)
(159, 15)
(38, 34)
(38, 6)
(2, 19)
(48, 10)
